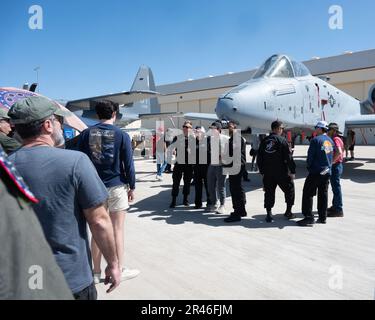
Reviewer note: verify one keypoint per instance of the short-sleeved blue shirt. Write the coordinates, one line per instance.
(65, 182)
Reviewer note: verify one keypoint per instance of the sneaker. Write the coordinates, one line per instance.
(186, 203)
(198, 206)
(97, 277)
(321, 221)
(221, 210)
(290, 215)
(335, 214)
(306, 222)
(211, 208)
(127, 273)
(331, 209)
(244, 214)
(232, 218)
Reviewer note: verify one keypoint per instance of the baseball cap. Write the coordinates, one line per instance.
(322, 125)
(33, 109)
(4, 114)
(334, 126)
(200, 128)
(216, 125)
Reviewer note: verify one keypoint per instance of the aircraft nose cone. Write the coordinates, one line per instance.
(224, 108)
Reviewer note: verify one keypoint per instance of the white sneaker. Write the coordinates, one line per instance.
(127, 273)
(97, 278)
(221, 210)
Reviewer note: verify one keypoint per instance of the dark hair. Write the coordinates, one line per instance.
(104, 109)
(276, 125)
(30, 130)
(234, 124)
(187, 122)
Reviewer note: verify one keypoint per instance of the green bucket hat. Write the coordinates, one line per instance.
(33, 109)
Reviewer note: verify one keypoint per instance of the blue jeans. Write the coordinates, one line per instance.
(216, 184)
(161, 168)
(337, 170)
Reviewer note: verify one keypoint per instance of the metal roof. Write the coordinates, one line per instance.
(340, 63)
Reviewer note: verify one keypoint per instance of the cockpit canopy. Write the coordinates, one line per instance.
(280, 66)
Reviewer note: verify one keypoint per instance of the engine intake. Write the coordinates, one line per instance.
(368, 106)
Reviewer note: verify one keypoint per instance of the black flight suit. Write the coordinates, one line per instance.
(235, 181)
(185, 168)
(275, 162)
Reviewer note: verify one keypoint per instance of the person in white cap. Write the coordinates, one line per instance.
(319, 165)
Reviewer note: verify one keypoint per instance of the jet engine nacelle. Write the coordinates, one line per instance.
(368, 106)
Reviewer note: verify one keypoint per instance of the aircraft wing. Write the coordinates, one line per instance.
(201, 116)
(161, 115)
(122, 98)
(362, 121)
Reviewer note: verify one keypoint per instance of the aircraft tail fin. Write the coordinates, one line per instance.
(144, 81)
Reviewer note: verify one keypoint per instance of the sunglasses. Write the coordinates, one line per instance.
(58, 119)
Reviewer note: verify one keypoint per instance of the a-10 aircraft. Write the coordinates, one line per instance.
(285, 90)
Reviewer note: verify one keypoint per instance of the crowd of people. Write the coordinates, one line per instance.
(203, 156)
(92, 182)
(72, 189)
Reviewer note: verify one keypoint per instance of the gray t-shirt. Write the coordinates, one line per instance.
(65, 182)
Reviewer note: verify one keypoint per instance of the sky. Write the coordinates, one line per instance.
(92, 47)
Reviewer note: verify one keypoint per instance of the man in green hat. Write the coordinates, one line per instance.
(70, 194)
(9, 144)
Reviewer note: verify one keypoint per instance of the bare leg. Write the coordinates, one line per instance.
(96, 256)
(118, 219)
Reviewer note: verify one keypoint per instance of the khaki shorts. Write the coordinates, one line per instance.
(118, 198)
